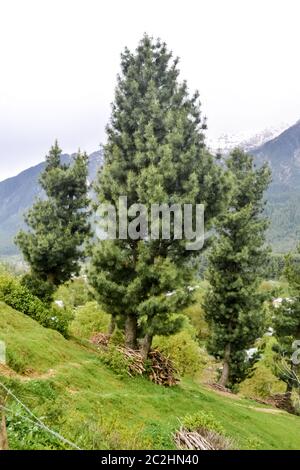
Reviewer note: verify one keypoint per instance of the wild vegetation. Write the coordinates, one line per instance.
(137, 342)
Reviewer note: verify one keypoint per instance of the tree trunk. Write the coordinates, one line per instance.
(3, 433)
(112, 325)
(131, 332)
(226, 367)
(146, 345)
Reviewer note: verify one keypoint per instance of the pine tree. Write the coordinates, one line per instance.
(58, 224)
(233, 306)
(155, 154)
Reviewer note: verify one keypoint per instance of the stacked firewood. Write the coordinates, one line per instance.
(202, 439)
(135, 361)
(191, 440)
(100, 339)
(162, 370)
(283, 401)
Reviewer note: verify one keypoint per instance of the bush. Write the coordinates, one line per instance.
(115, 360)
(42, 289)
(202, 431)
(195, 313)
(263, 382)
(19, 297)
(202, 420)
(183, 349)
(89, 319)
(74, 293)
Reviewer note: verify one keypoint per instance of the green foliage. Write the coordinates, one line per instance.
(92, 406)
(263, 382)
(42, 289)
(286, 321)
(233, 306)
(115, 360)
(89, 319)
(183, 349)
(25, 434)
(74, 293)
(58, 225)
(19, 297)
(195, 312)
(155, 153)
(202, 420)
(275, 266)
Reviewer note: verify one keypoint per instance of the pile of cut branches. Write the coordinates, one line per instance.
(100, 339)
(162, 370)
(202, 439)
(282, 401)
(135, 360)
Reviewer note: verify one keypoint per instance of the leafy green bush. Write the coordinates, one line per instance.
(115, 360)
(195, 313)
(19, 297)
(89, 319)
(202, 420)
(74, 293)
(263, 381)
(183, 349)
(42, 289)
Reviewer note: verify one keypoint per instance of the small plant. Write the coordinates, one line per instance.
(202, 420)
(202, 431)
(116, 361)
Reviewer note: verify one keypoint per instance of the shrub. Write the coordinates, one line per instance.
(202, 420)
(202, 431)
(115, 360)
(89, 319)
(263, 381)
(19, 297)
(42, 289)
(195, 313)
(183, 349)
(74, 293)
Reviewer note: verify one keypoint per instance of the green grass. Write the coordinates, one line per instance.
(91, 405)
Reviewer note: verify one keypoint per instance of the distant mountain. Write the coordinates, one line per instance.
(283, 155)
(17, 195)
(282, 152)
(247, 140)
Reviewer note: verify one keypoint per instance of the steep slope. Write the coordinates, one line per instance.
(67, 384)
(17, 195)
(283, 154)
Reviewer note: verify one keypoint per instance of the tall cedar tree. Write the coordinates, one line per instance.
(58, 225)
(155, 153)
(286, 321)
(233, 307)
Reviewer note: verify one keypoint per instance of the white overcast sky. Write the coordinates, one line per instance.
(59, 60)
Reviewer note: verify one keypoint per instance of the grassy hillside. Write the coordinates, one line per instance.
(66, 384)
